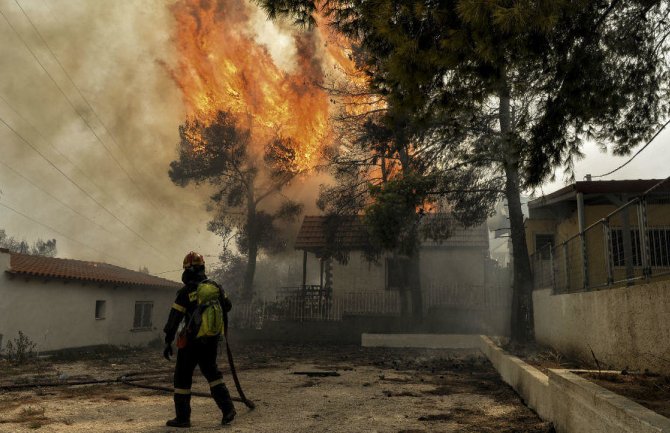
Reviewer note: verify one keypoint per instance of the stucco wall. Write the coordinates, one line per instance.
(58, 315)
(625, 327)
(440, 267)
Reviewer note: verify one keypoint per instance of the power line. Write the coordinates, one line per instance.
(81, 95)
(62, 203)
(32, 146)
(65, 157)
(636, 153)
(90, 127)
(104, 254)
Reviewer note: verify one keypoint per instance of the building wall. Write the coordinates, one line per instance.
(538, 227)
(58, 315)
(440, 267)
(567, 228)
(358, 275)
(626, 327)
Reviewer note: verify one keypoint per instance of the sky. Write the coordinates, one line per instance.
(89, 122)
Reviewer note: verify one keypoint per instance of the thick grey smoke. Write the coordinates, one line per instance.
(115, 53)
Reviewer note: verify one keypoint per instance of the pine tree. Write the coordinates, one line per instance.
(531, 79)
(218, 153)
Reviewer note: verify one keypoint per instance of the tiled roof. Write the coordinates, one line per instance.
(67, 269)
(352, 234)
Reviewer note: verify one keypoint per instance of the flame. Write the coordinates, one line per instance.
(221, 67)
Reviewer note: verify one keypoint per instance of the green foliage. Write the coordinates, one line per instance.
(20, 349)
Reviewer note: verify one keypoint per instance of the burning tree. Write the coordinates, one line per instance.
(218, 152)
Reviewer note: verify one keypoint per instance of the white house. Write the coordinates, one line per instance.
(63, 303)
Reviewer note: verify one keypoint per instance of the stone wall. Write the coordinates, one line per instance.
(625, 327)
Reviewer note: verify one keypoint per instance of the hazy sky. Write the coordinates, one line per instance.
(119, 205)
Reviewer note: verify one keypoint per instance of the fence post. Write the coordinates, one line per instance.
(566, 264)
(581, 220)
(627, 245)
(645, 249)
(607, 237)
(553, 269)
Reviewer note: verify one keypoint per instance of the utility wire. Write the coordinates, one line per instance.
(32, 146)
(636, 153)
(104, 254)
(86, 122)
(66, 158)
(62, 203)
(88, 104)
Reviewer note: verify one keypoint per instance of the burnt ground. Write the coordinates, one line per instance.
(649, 390)
(377, 390)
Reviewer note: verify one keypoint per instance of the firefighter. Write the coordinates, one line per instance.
(201, 304)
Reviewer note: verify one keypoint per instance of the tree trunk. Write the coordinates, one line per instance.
(414, 265)
(415, 277)
(252, 248)
(522, 326)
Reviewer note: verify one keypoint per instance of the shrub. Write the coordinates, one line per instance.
(20, 349)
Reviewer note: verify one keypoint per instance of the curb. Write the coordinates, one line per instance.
(573, 404)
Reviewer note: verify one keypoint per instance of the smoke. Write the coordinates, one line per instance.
(105, 111)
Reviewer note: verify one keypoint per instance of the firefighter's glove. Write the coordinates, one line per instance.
(167, 352)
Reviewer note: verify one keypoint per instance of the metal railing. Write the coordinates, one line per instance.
(314, 304)
(629, 245)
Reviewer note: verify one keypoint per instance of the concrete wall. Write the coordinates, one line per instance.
(625, 327)
(58, 315)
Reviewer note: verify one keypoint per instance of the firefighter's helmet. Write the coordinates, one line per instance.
(193, 259)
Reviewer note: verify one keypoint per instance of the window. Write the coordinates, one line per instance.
(100, 309)
(659, 247)
(143, 312)
(618, 251)
(543, 245)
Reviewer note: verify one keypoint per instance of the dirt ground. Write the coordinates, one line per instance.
(377, 390)
(651, 391)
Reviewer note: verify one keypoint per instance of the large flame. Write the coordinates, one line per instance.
(221, 67)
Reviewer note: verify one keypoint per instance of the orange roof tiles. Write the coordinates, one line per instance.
(67, 269)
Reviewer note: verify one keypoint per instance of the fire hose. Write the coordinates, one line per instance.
(130, 379)
(133, 379)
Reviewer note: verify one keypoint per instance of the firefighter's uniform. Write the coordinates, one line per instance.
(201, 351)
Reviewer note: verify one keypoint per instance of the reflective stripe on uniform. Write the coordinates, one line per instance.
(182, 391)
(179, 308)
(213, 383)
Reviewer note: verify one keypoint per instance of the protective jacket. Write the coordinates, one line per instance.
(185, 305)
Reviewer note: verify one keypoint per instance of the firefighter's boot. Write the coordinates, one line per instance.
(225, 403)
(182, 407)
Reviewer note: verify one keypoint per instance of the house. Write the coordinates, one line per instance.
(455, 273)
(459, 260)
(63, 303)
(597, 233)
